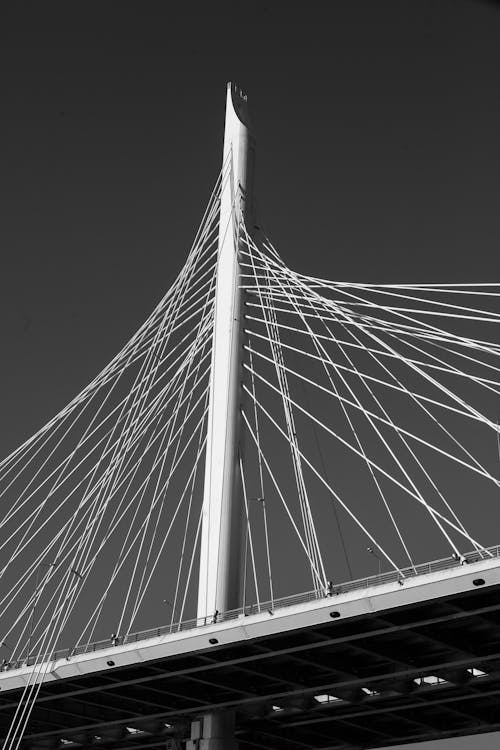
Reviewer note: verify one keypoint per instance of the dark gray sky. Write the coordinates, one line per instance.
(378, 159)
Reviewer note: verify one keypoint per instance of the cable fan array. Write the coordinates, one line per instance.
(107, 489)
(372, 414)
(368, 417)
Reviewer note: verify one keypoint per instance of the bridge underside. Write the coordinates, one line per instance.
(421, 672)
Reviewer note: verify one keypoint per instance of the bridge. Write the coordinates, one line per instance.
(186, 547)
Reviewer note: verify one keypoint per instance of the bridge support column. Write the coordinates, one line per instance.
(220, 576)
(221, 530)
(213, 732)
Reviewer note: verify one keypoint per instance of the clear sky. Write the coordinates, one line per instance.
(378, 159)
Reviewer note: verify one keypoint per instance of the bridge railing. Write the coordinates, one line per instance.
(268, 606)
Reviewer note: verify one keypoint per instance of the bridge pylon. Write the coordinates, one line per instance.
(220, 570)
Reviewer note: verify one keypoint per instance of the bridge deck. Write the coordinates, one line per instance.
(362, 669)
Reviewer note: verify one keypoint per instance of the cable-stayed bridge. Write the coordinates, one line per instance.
(223, 541)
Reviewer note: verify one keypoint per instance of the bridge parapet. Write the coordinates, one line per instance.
(369, 582)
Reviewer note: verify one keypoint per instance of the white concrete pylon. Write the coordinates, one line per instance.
(220, 551)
